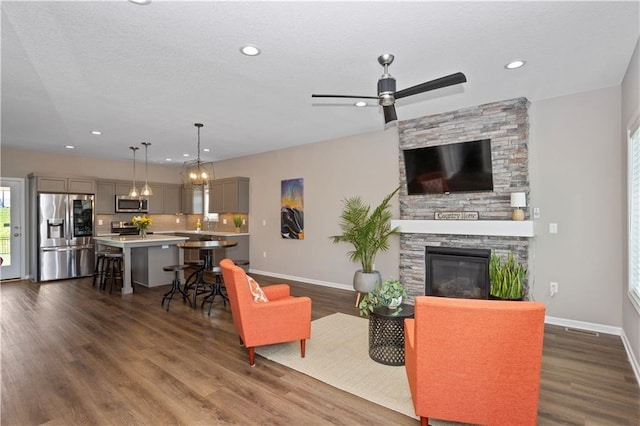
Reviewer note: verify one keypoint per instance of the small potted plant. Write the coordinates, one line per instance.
(507, 279)
(237, 222)
(389, 294)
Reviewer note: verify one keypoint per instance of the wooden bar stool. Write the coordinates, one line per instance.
(175, 285)
(99, 271)
(113, 270)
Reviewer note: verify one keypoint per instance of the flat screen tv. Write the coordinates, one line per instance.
(455, 167)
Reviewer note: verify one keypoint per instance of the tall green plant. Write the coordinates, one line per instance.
(367, 231)
(506, 279)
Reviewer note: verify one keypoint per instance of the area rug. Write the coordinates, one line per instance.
(338, 354)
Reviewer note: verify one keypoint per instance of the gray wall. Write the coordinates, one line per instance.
(575, 178)
(630, 112)
(365, 165)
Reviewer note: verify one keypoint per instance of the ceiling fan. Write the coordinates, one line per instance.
(387, 94)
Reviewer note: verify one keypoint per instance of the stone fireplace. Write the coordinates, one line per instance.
(506, 124)
(457, 272)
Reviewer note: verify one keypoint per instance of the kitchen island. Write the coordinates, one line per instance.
(145, 257)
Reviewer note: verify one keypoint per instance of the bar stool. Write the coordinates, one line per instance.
(113, 270)
(216, 289)
(175, 285)
(243, 263)
(99, 271)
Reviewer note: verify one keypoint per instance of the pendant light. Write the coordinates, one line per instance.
(146, 189)
(134, 191)
(196, 172)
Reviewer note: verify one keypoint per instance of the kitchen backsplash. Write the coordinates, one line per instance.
(167, 222)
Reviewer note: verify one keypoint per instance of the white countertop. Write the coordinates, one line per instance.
(214, 233)
(135, 240)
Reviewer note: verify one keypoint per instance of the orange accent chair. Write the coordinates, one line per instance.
(475, 361)
(283, 318)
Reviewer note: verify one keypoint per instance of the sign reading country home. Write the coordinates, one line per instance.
(456, 215)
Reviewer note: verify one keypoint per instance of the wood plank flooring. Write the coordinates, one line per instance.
(72, 355)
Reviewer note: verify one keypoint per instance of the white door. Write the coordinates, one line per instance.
(11, 226)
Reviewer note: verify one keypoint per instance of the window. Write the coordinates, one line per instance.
(208, 217)
(634, 213)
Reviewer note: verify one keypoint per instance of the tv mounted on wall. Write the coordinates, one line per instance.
(455, 167)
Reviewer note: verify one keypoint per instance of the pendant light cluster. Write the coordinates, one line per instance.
(146, 189)
(197, 172)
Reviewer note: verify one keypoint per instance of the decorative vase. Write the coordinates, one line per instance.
(143, 233)
(395, 302)
(366, 282)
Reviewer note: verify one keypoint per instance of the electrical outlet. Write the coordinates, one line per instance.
(264, 254)
(177, 220)
(264, 222)
(224, 221)
(553, 288)
(100, 222)
(553, 228)
(244, 221)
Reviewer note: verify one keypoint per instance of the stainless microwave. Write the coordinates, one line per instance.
(131, 205)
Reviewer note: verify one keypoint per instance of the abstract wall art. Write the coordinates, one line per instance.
(292, 209)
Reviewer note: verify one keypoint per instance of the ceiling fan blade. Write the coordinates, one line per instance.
(344, 96)
(438, 83)
(389, 115)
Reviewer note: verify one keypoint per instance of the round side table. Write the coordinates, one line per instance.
(386, 334)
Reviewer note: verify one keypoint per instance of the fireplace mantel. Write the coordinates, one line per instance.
(506, 228)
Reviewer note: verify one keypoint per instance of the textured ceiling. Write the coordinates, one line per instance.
(147, 73)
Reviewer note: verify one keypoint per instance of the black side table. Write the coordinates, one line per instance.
(386, 334)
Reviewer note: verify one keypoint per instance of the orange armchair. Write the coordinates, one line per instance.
(283, 318)
(475, 361)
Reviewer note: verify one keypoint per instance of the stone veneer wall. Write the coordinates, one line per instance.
(506, 123)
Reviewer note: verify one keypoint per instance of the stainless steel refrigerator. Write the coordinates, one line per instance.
(65, 236)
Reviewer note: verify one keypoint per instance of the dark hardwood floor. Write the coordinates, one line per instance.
(72, 355)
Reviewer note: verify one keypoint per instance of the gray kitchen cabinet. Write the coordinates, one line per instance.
(156, 201)
(123, 188)
(192, 199)
(171, 198)
(105, 196)
(229, 195)
(65, 185)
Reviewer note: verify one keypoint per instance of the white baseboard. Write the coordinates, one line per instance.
(303, 279)
(582, 325)
(632, 358)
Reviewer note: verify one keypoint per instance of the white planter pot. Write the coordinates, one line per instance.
(395, 302)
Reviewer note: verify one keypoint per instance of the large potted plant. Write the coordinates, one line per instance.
(507, 279)
(368, 231)
(389, 294)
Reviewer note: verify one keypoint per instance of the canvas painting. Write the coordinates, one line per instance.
(292, 209)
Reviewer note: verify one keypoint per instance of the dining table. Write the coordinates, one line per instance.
(196, 279)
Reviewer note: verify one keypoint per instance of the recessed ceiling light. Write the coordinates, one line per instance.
(514, 64)
(168, 159)
(69, 146)
(96, 132)
(140, 2)
(360, 104)
(185, 155)
(250, 50)
(206, 149)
